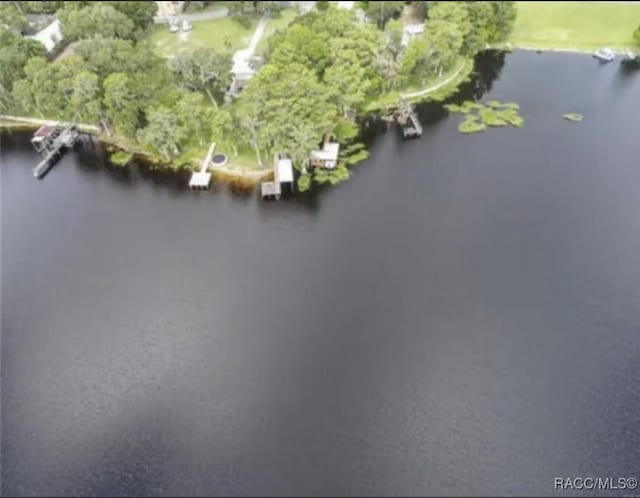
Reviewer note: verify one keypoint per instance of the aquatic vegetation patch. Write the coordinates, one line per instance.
(491, 117)
(304, 183)
(471, 124)
(121, 158)
(573, 116)
(333, 176)
(494, 113)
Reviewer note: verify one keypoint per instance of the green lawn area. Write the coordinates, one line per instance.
(274, 25)
(210, 33)
(582, 26)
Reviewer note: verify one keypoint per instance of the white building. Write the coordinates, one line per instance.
(327, 157)
(49, 36)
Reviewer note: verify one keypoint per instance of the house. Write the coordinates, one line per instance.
(49, 36)
(327, 157)
(410, 32)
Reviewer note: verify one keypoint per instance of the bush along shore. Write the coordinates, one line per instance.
(319, 74)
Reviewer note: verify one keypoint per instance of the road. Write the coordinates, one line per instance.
(200, 16)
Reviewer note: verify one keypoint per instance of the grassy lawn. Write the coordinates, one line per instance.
(274, 25)
(582, 26)
(210, 33)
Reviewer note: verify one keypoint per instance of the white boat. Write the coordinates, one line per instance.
(604, 54)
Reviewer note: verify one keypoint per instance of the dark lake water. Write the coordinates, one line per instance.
(460, 317)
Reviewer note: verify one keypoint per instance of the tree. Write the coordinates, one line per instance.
(322, 5)
(97, 19)
(481, 18)
(162, 133)
(453, 13)
(37, 92)
(44, 7)
(346, 80)
(432, 53)
(194, 116)
(301, 45)
(120, 103)
(504, 17)
(6, 100)
(205, 70)
(636, 36)
(15, 51)
(65, 71)
(380, 12)
(140, 13)
(12, 18)
(286, 109)
(84, 103)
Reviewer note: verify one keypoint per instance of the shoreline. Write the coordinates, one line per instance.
(241, 176)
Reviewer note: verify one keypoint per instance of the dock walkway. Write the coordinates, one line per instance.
(200, 180)
(53, 146)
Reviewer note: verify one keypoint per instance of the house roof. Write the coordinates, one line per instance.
(414, 29)
(49, 36)
(285, 170)
(329, 152)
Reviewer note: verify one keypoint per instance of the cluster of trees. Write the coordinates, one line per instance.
(636, 36)
(454, 30)
(115, 81)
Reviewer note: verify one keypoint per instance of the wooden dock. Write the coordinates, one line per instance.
(53, 141)
(412, 127)
(200, 180)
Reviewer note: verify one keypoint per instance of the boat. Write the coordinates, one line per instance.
(604, 54)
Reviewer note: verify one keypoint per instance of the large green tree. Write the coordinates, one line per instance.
(96, 19)
(194, 116)
(204, 70)
(15, 51)
(296, 111)
(162, 133)
(84, 102)
(12, 17)
(636, 36)
(120, 104)
(346, 80)
(140, 12)
(37, 93)
(301, 45)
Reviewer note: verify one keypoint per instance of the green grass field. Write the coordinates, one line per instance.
(582, 26)
(210, 33)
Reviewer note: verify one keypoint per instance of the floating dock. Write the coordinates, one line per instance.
(52, 141)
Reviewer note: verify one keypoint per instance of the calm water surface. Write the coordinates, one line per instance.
(462, 316)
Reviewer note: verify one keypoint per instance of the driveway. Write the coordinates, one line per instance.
(199, 16)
